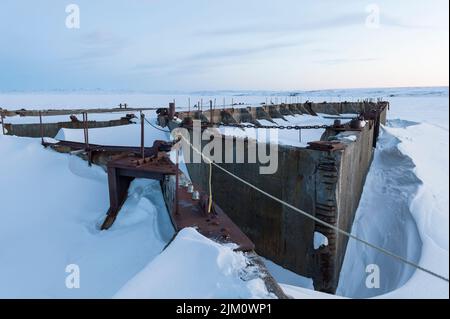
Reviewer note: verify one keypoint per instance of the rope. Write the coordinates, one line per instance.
(166, 131)
(210, 188)
(335, 228)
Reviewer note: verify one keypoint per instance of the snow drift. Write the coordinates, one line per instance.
(195, 267)
(404, 208)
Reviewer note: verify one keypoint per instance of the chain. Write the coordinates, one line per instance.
(280, 127)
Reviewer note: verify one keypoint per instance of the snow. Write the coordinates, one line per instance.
(58, 225)
(285, 137)
(383, 218)
(320, 240)
(125, 135)
(104, 99)
(66, 118)
(285, 276)
(350, 138)
(195, 267)
(304, 293)
(405, 205)
(428, 147)
(101, 99)
(52, 205)
(52, 221)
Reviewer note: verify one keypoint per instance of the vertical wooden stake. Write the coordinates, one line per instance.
(189, 106)
(210, 111)
(86, 130)
(142, 135)
(3, 123)
(177, 183)
(41, 126)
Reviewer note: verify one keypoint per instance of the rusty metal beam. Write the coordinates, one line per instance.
(122, 170)
(216, 225)
(183, 209)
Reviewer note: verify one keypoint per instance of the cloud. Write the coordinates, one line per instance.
(345, 61)
(98, 44)
(341, 21)
(390, 21)
(238, 52)
(204, 59)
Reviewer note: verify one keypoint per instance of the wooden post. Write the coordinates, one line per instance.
(41, 127)
(177, 183)
(189, 106)
(171, 111)
(86, 130)
(210, 111)
(142, 135)
(3, 123)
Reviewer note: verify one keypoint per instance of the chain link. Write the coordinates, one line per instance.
(280, 127)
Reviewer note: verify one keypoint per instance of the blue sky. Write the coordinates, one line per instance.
(154, 45)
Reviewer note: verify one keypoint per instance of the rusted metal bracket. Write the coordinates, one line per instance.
(215, 225)
(123, 169)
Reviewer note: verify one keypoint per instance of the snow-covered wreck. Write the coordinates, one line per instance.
(323, 178)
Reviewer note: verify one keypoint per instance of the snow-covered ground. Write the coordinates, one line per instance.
(195, 267)
(66, 118)
(405, 205)
(52, 206)
(53, 203)
(126, 135)
(102, 99)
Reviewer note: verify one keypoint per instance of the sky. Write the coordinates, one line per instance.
(173, 45)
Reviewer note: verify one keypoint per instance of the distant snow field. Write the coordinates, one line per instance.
(52, 204)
